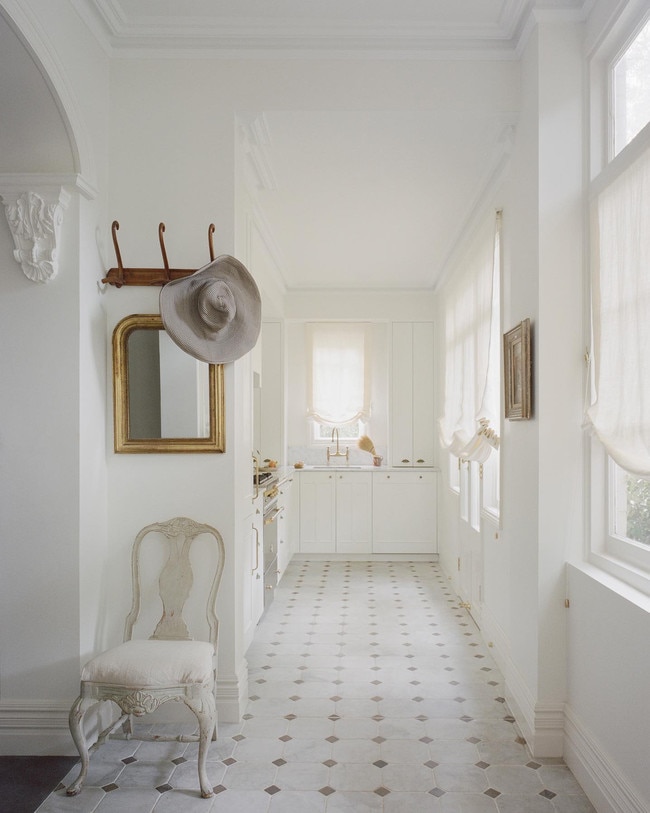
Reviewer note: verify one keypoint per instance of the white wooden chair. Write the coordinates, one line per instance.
(140, 675)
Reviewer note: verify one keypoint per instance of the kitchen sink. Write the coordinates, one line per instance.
(337, 468)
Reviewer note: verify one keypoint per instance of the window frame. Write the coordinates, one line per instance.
(315, 440)
(632, 33)
(622, 558)
(619, 556)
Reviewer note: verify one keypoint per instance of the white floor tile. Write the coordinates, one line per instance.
(370, 690)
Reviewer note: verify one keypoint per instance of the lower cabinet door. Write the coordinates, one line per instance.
(404, 512)
(354, 512)
(317, 514)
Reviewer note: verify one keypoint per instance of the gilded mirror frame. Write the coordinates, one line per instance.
(123, 443)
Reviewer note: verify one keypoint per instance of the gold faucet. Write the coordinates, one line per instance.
(338, 452)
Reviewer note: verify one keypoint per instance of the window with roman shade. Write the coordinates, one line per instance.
(470, 423)
(620, 410)
(338, 380)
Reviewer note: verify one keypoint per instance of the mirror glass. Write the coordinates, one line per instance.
(164, 400)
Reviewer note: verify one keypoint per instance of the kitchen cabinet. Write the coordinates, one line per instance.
(286, 536)
(353, 495)
(317, 512)
(404, 515)
(412, 424)
(335, 512)
(253, 570)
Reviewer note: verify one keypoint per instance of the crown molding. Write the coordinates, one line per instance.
(176, 36)
(483, 200)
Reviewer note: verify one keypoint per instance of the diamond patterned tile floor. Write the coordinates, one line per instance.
(370, 690)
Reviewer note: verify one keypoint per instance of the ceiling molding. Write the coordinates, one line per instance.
(191, 35)
(482, 201)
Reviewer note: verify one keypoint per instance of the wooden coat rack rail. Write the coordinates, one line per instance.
(149, 276)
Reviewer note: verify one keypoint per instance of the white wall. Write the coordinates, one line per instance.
(608, 716)
(52, 468)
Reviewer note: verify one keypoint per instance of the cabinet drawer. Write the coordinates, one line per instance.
(405, 477)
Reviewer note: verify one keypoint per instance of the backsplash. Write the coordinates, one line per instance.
(317, 455)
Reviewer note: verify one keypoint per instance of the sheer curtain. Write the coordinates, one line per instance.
(620, 409)
(338, 372)
(469, 426)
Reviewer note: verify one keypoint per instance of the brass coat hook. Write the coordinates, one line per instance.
(120, 268)
(161, 231)
(211, 230)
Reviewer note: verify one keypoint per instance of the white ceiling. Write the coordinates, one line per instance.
(349, 199)
(371, 199)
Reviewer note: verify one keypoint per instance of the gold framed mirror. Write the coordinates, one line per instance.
(164, 400)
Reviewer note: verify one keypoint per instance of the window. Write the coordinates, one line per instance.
(630, 511)
(349, 431)
(619, 403)
(630, 78)
(470, 424)
(338, 378)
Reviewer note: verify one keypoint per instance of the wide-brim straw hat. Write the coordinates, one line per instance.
(214, 314)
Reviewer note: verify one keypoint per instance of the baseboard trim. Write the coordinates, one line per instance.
(603, 782)
(232, 694)
(365, 557)
(541, 724)
(35, 728)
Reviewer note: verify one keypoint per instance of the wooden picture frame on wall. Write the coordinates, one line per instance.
(517, 372)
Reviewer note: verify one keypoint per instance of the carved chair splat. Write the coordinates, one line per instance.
(140, 675)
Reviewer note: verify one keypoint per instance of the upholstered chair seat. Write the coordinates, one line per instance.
(138, 664)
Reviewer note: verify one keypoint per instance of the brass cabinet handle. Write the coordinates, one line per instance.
(420, 460)
(405, 460)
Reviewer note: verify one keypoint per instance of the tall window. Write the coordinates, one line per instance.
(338, 377)
(619, 410)
(470, 424)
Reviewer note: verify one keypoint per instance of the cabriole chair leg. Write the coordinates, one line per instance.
(76, 729)
(205, 710)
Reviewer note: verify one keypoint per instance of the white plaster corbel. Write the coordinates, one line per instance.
(35, 217)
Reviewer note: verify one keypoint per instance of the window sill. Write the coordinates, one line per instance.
(620, 577)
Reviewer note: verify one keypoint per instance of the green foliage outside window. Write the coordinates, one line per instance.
(638, 509)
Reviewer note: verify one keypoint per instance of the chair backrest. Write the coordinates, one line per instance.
(176, 579)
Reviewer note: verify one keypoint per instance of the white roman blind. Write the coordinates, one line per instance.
(338, 382)
(470, 423)
(620, 409)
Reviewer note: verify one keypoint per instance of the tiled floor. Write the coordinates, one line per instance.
(370, 690)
